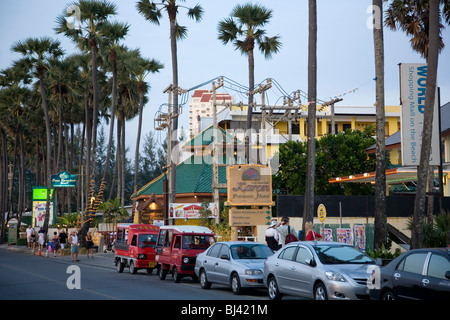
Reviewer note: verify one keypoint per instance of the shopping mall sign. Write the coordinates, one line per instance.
(413, 82)
(63, 180)
(249, 185)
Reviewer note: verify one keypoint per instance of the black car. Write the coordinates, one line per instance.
(422, 274)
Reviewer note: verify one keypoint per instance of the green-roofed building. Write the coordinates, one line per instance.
(193, 179)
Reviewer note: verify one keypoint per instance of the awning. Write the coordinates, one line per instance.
(393, 176)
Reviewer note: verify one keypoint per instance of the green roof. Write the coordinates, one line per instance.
(193, 176)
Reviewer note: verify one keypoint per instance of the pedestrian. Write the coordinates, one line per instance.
(33, 240)
(272, 236)
(55, 243)
(73, 240)
(41, 239)
(29, 231)
(89, 245)
(62, 240)
(287, 233)
(311, 235)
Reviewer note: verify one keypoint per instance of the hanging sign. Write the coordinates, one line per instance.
(63, 180)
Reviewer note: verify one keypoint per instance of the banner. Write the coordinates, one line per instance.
(191, 210)
(413, 80)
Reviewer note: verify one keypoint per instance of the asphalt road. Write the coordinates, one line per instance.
(30, 277)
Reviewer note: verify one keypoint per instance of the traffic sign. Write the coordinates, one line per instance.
(321, 212)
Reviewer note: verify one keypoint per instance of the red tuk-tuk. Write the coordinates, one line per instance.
(135, 247)
(178, 247)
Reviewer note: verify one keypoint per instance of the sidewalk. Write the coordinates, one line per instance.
(105, 260)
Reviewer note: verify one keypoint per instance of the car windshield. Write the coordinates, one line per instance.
(147, 240)
(197, 241)
(332, 254)
(250, 251)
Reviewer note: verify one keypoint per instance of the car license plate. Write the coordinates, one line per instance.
(151, 264)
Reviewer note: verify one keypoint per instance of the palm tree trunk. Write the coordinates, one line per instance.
(174, 142)
(308, 210)
(138, 138)
(430, 93)
(40, 71)
(251, 85)
(380, 235)
(95, 102)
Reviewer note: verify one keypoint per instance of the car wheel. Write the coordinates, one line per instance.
(274, 293)
(175, 275)
(162, 273)
(133, 269)
(388, 295)
(119, 265)
(235, 284)
(204, 283)
(320, 292)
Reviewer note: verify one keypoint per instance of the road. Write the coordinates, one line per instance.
(29, 277)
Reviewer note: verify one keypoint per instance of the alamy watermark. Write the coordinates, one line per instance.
(74, 280)
(376, 18)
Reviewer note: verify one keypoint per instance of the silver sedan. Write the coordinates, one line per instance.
(319, 270)
(239, 264)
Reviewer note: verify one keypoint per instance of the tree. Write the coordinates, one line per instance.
(308, 210)
(380, 230)
(243, 29)
(421, 20)
(112, 212)
(151, 10)
(36, 52)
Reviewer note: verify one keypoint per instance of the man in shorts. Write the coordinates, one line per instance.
(29, 233)
(62, 240)
(74, 246)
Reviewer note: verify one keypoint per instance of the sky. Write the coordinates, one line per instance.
(345, 58)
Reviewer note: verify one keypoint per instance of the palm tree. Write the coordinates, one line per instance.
(421, 20)
(308, 210)
(113, 32)
(151, 10)
(380, 234)
(36, 52)
(93, 17)
(243, 29)
(140, 68)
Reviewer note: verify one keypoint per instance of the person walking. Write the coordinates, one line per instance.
(272, 236)
(287, 233)
(89, 245)
(41, 240)
(29, 232)
(55, 243)
(62, 240)
(311, 235)
(33, 240)
(73, 240)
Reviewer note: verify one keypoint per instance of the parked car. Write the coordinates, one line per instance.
(417, 274)
(239, 264)
(135, 247)
(318, 269)
(177, 249)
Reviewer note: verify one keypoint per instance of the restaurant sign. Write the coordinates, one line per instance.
(63, 180)
(249, 185)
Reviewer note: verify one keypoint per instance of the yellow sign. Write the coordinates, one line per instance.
(321, 212)
(249, 185)
(249, 217)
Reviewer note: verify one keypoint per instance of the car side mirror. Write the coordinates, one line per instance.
(311, 262)
(225, 257)
(447, 275)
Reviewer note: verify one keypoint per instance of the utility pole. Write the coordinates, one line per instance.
(290, 102)
(262, 89)
(331, 104)
(215, 167)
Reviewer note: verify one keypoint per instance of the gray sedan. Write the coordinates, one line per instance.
(239, 264)
(319, 270)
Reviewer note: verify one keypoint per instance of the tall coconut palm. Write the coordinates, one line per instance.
(93, 17)
(308, 210)
(380, 233)
(422, 21)
(113, 32)
(151, 10)
(140, 68)
(243, 29)
(36, 53)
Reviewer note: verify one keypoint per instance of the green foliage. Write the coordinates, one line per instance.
(337, 155)
(69, 220)
(435, 233)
